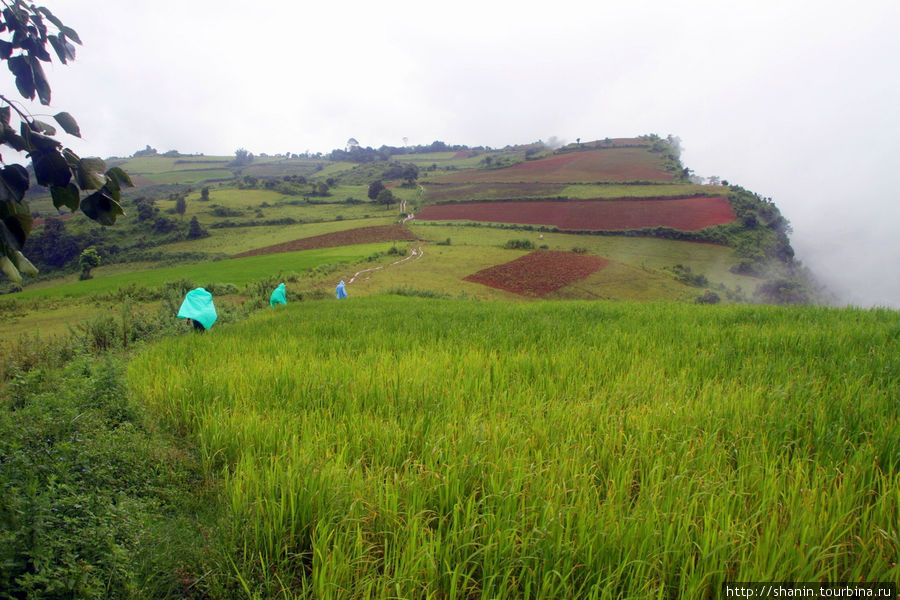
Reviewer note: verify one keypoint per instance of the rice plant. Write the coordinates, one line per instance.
(405, 447)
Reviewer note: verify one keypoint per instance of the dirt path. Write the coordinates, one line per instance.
(415, 254)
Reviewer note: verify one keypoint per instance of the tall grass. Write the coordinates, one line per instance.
(397, 447)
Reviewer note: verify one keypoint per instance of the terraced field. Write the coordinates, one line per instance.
(686, 214)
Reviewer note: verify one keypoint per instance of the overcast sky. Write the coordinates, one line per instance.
(795, 100)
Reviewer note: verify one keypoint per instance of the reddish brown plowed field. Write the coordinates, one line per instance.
(685, 214)
(609, 164)
(539, 273)
(465, 192)
(348, 237)
(41, 220)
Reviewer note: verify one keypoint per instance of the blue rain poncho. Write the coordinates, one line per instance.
(279, 296)
(198, 305)
(340, 291)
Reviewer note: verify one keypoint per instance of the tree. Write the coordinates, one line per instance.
(52, 246)
(375, 188)
(145, 208)
(195, 231)
(181, 206)
(242, 157)
(29, 32)
(204, 193)
(410, 173)
(385, 197)
(88, 260)
(163, 225)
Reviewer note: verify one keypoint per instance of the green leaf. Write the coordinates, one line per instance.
(4, 115)
(37, 141)
(41, 85)
(39, 23)
(71, 158)
(67, 122)
(90, 173)
(50, 17)
(5, 49)
(15, 224)
(15, 179)
(12, 19)
(65, 196)
(44, 127)
(23, 264)
(19, 67)
(101, 208)
(61, 48)
(120, 177)
(35, 48)
(7, 266)
(112, 188)
(50, 168)
(70, 33)
(12, 139)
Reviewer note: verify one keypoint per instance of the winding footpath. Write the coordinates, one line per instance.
(415, 254)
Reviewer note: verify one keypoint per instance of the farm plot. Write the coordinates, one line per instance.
(347, 237)
(611, 164)
(539, 273)
(685, 214)
(497, 191)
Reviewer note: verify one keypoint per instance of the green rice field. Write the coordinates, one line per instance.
(237, 271)
(402, 447)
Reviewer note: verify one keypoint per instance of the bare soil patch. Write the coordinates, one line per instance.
(348, 237)
(685, 214)
(603, 165)
(539, 273)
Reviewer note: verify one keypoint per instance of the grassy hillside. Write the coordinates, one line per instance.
(397, 447)
(595, 197)
(478, 419)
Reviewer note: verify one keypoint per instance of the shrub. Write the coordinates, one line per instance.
(684, 275)
(408, 291)
(708, 297)
(519, 245)
(86, 508)
(782, 291)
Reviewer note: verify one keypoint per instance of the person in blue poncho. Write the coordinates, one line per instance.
(279, 296)
(340, 290)
(198, 308)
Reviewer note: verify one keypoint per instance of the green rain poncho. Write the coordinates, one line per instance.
(279, 296)
(198, 305)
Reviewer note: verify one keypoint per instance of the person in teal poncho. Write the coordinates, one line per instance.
(279, 296)
(340, 290)
(198, 308)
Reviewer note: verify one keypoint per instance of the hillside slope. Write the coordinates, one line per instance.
(477, 208)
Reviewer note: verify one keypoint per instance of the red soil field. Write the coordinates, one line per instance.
(348, 237)
(465, 192)
(685, 214)
(40, 220)
(539, 273)
(604, 165)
